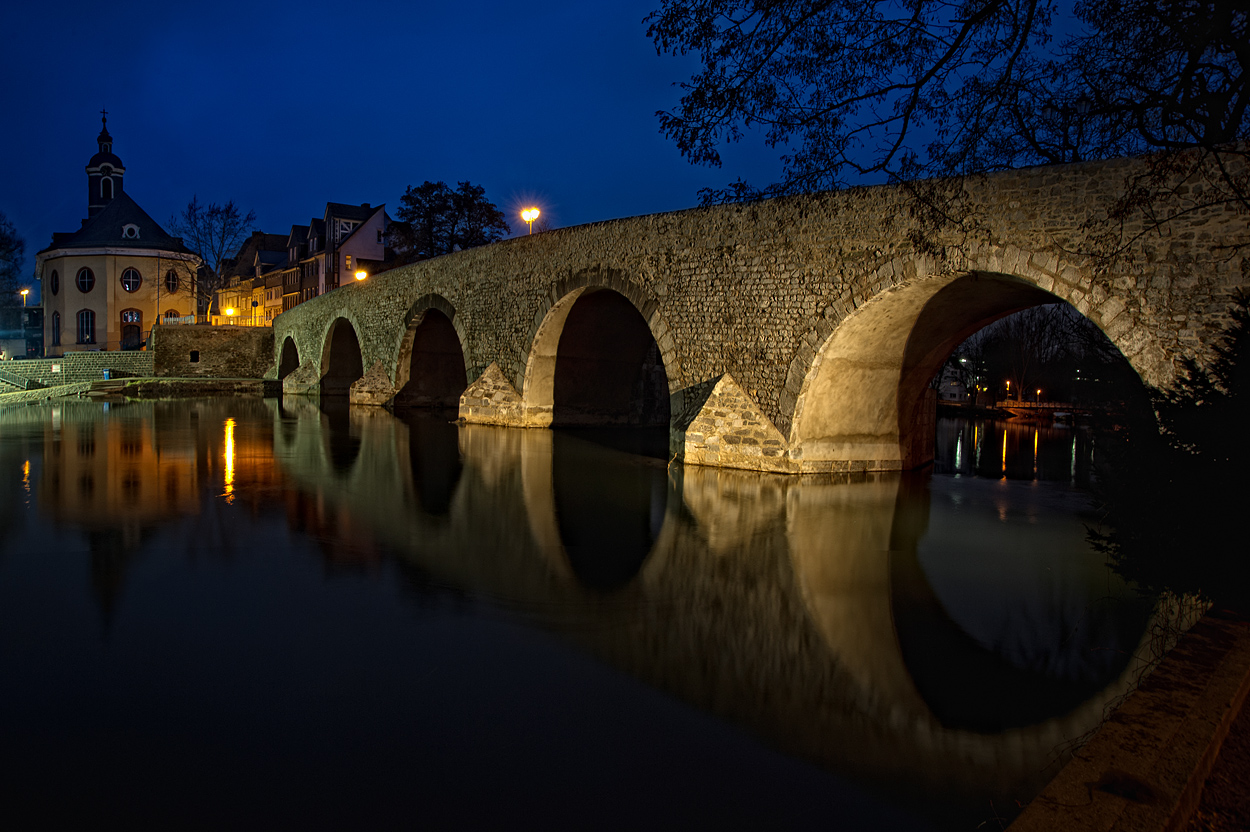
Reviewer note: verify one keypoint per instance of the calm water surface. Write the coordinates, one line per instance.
(255, 615)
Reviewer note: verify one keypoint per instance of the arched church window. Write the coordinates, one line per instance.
(86, 327)
(55, 329)
(85, 280)
(131, 316)
(171, 281)
(54, 282)
(106, 188)
(131, 280)
(171, 313)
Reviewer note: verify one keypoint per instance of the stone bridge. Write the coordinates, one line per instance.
(792, 335)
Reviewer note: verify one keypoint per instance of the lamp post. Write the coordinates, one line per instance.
(529, 215)
(24, 293)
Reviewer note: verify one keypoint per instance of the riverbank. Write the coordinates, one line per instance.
(146, 388)
(1150, 765)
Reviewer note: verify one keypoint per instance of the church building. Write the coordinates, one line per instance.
(107, 283)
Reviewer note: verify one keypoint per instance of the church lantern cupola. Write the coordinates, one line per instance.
(104, 172)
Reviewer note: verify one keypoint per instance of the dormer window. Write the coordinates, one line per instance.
(130, 231)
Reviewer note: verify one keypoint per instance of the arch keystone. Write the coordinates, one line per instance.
(718, 423)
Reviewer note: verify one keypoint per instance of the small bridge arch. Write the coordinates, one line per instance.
(594, 357)
(430, 362)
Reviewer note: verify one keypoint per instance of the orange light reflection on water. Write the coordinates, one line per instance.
(229, 459)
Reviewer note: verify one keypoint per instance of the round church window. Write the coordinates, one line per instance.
(131, 281)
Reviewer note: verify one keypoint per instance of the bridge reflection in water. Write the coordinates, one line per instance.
(820, 612)
(942, 640)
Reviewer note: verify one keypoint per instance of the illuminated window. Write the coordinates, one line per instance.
(85, 280)
(131, 281)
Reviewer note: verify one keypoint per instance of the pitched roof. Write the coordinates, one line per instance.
(362, 225)
(105, 229)
(244, 263)
(342, 211)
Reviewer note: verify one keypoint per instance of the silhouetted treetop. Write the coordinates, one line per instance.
(912, 88)
(433, 219)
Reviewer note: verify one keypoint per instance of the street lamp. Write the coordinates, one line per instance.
(362, 274)
(529, 215)
(24, 293)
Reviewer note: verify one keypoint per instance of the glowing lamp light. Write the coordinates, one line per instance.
(230, 310)
(24, 293)
(362, 274)
(529, 215)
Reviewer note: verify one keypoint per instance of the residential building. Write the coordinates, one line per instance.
(309, 261)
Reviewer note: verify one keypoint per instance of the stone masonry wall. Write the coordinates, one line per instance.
(74, 367)
(754, 291)
(219, 351)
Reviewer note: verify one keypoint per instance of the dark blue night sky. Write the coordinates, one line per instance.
(285, 106)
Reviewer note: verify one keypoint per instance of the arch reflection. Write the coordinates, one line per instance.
(434, 456)
(609, 507)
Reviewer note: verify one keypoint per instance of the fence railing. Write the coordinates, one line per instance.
(18, 381)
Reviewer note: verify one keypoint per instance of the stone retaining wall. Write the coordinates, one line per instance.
(203, 351)
(74, 367)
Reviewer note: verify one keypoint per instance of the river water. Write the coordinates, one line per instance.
(253, 614)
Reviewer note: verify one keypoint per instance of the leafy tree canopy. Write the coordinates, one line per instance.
(912, 88)
(433, 219)
(214, 232)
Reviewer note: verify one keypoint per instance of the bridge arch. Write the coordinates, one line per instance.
(599, 324)
(863, 396)
(342, 361)
(288, 360)
(430, 364)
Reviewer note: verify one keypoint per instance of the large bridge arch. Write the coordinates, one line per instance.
(862, 398)
(617, 297)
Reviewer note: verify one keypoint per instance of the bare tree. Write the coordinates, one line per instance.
(214, 232)
(12, 251)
